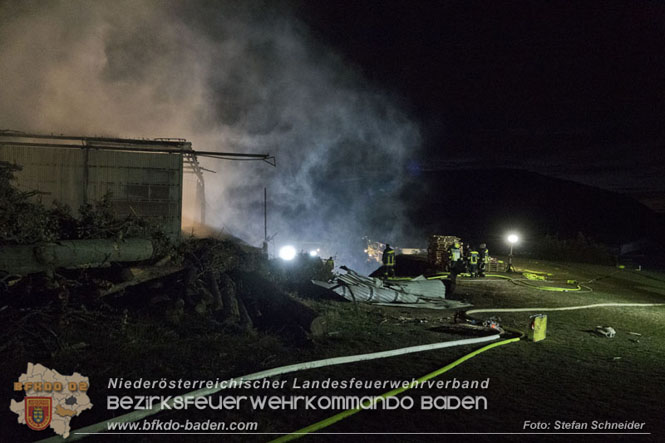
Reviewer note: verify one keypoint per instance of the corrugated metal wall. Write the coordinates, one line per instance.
(58, 173)
(147, 184)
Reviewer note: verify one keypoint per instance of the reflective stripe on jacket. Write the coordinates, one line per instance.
(455, 254)
(473, 257)
(389, 257)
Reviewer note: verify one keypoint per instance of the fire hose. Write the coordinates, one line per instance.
(566, 308)
(578, 287)
(368, 403)
(141, 414)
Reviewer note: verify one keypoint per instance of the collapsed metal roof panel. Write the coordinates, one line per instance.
(356, 287)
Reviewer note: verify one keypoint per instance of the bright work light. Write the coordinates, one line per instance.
(287, 253)
(512, 239)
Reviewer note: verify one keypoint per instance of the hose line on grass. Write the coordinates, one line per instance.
(567, 308)
(369, 403)
(516, 281)
(137, 415)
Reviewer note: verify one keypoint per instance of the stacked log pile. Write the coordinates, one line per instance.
(437, 250)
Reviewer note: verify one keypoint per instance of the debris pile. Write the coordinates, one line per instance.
(374, 251)
(239, 288)
(58, 266)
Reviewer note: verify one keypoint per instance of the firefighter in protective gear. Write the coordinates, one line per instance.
(473, 262)
(329, 265)
(484, 259)
(389, 261)
(454, 256)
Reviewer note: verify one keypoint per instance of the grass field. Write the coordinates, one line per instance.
(574, 375)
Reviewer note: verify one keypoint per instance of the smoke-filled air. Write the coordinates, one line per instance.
(228, 76)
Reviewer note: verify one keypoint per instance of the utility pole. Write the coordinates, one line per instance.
(265, 221)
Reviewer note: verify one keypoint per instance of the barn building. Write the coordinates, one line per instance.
(141, 177)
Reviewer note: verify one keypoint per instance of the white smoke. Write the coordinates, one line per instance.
(229, 76)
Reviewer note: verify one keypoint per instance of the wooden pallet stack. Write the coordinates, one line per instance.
(437, 250)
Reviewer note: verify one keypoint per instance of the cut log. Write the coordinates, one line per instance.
(27, 259)
(214, 289)
(227, 287)
(245, 320)
(189, 286)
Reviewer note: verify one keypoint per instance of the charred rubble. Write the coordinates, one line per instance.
(60, 270)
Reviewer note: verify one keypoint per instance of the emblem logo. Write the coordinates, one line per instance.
(38, 412)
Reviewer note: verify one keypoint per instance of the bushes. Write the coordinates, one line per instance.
(21, 221)
(25, 221)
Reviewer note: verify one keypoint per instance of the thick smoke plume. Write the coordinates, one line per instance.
(230, 76)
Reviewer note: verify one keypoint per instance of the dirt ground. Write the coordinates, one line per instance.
(573, 376)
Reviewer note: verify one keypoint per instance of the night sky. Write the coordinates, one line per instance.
(568, 89)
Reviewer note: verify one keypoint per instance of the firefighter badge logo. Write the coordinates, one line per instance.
(50, 399)
(38, 412)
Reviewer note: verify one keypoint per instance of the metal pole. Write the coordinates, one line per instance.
(265, 221)
(510, 260)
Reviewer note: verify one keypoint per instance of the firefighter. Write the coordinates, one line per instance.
(484, 260)
(455, 264)
(329, 265)
(389, 261)
(473, 262)
(454, 255)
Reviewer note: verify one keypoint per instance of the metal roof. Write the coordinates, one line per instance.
(157, 145)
